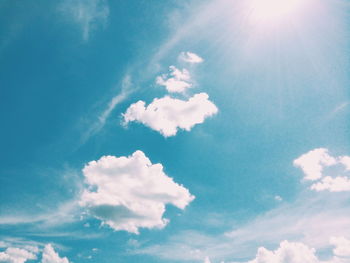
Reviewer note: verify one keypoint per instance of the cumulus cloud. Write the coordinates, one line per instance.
(342, 246)
(177, 81)
(167, 115)
(313, 164)
(88, 14)
(128, 193)
(345, 160)
(337, 184)
(311, 219)
(288, 252)
(16, 255)
(29, 253)
(190, 57)
(296, 252)
(51, 256)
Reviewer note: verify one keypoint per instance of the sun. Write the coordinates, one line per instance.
(275, 10)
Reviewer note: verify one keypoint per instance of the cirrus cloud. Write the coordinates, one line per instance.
(87, 14)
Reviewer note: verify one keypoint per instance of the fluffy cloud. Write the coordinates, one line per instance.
(345, 160)
(16, 255)
(313, 164)
(23, 254)
(50, 256)
(337, 184)
(342, 246)
(128, 193)
(288, 252)
(294, 252)
(167, 115)
(190, 57)
(177, 81)
(88, 14)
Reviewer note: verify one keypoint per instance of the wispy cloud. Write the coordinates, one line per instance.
(64, 213)
(337, 110)
(311, 220)
(87, 14)
(126, 90)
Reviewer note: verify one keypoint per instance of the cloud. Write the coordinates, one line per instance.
(51, 256)
(278, 198)
(128, 193)
(314, 163)
(345, 160)
(87, 14)
(296, 252)
(190, 57)
(117, 99)
(311, 220)
(207, 260)
(342, 246)
(337, 184)
(16, 255)
(62, 214)
(167, 115)
(288, 252)
(21, 255)
(177, 81)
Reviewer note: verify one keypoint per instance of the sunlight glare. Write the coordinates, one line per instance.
(275, 10)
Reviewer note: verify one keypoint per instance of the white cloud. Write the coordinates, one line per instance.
(167, 115)
(337, 184)
(190, 57)
(297, 252)
(207, 260)
(88, 14)
(278, 198)
(313, 162)
(128, 193)
(177, 81)
(311, 220)
(114, 102)
(16, 255)
(288, 252)
(345, 160)
(342, 246)
(51, 256)
(313, 165)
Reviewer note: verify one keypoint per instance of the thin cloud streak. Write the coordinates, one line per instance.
(311, 220)
(98, 125)
(87, 14)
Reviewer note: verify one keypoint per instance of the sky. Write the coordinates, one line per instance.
(211, 131)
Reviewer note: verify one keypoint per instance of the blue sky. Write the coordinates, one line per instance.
(174, 131)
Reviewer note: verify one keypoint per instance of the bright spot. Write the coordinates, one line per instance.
(275, 10)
